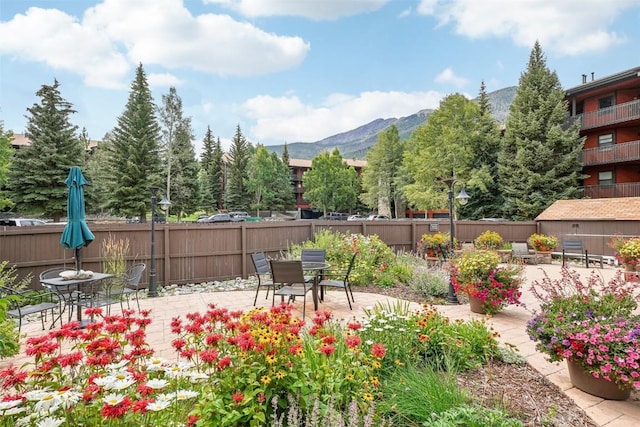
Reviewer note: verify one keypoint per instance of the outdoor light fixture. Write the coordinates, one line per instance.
(164, 204)
(462, 198)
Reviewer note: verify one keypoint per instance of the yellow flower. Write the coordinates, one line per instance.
(368, 397)
(266, 379)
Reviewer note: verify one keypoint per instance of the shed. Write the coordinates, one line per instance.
(594, 221)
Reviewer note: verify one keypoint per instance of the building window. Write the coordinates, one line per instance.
(605, 178)
(605, 142)
(605, 102)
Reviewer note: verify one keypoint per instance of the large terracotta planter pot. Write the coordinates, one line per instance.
(595, 386)
(475, 305)
(630, 267)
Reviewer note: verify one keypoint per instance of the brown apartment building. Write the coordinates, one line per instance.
(608, 110)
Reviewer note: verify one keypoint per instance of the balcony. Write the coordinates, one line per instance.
(614, 153)
(630, 189)
(611, 115)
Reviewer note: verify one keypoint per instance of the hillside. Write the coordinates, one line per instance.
(355, 143)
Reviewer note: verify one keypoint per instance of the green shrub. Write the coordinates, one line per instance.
(374, 264)
(430, 282)
(9, 338)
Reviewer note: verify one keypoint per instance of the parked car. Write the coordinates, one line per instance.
(133, 219)
(357, 218)
(378, 218)
(238, 214)
(20, 222)
(222, 217)
(337, 216)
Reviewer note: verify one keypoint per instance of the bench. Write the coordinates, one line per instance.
(574, 248)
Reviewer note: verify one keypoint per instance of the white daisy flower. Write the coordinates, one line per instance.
(50, 422)
(157, 384)
(158, 405)
(113, 399)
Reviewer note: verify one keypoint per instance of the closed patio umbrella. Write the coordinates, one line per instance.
(76, 233)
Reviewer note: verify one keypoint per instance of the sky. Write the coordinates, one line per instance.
(296, 70)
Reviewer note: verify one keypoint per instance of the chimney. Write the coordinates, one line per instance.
(584, 78)
(593, 76)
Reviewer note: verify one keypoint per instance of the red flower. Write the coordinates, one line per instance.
(327, 349)
(224, 362)
(352, 341)
(237, 397)
(378, 350)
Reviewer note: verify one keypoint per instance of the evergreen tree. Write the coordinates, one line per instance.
(6, 154)
(331, 184)
(181, 165)
(38, 172)
(483, 187)
(285, 155)
(135, 157)
(236, 195)
(284, 196)
(380, 177)
(100, 169)
(539, 160)
(211, 163)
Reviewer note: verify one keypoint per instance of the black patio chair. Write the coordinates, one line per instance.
(290, 277)
(263, 273)
(339, 279)
(26, 303)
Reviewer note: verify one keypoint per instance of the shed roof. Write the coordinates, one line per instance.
(620, 209)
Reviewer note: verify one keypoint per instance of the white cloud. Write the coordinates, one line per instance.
(288, 119)
(567, 27)
(163, 79)
(115, 35)
(311, 9)
(447, 76)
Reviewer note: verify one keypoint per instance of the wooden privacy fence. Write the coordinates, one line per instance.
(193, 253)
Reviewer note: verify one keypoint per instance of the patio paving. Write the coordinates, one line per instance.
(509, 323)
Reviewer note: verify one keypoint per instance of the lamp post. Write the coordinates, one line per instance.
(463, 198)
(164, 203)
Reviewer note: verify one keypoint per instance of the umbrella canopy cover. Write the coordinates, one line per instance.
(76, 233)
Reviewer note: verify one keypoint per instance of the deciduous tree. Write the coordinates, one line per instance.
(6, 153)
(330, 184)
(381, 177)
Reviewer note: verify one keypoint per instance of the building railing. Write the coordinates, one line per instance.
(613, 153)
(607, 116)
(630, 189)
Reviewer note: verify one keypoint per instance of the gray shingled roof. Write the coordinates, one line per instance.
(622, 209)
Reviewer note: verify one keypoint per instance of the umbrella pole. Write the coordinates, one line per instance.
(78, 261)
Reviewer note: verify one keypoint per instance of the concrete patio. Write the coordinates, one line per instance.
(509, 323)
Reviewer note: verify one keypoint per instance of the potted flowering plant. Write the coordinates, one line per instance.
(489, 240)
(428, 243)
(490, 287)
(543, 242)
(592, 326)
(629, 253)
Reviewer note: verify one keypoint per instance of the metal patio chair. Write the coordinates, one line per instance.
(290, 276)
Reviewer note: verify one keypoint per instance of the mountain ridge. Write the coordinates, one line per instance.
(355, 143)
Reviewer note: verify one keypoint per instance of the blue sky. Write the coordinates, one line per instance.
(296, 70)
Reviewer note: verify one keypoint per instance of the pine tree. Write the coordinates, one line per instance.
(285, 155)
(135, 157)
(6, 154)
(38, 172)
(380, 176)
(236, 194)
(212, 169)
(181, 167)
(539, 161)
(482, 186)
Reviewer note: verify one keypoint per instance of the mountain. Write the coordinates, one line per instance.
(355, 143)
